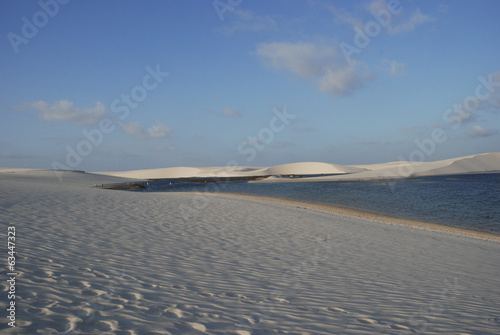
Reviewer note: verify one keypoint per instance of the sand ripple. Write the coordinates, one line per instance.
(95, 261)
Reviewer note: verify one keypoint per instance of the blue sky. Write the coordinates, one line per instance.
(121, 85)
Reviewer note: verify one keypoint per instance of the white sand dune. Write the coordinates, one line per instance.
(174, 172)
(189, 172)
(96, 261)
(476, 163)
(311, 168)
(489, 162)
(12, 170)
(304, 168)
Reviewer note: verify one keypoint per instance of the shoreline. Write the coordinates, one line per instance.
(367, 216)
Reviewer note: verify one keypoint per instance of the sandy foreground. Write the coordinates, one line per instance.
(95, 261)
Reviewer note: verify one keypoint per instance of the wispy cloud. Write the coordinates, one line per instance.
(64, 110)
(394, 68)
(410, 24)
(246, 20)
(462, 116)
(369, 143)
(343, 16)
(283, 144)
(443, 8)
(376, 6)
(320, 64)
(478, 131)
(413, 129)
(405, 24)
(158, 130)
(16, 156)
(493, 102)
(226, 112)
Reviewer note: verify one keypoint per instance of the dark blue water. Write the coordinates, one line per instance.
(468, 201)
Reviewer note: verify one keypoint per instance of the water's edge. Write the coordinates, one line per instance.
(365, 215)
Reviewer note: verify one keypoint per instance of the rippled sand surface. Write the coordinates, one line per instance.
(95, 261)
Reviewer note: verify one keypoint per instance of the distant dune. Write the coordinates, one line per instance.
(189, 172)
(489, 162)
(478, 163)
(469, 164)
(311, 168)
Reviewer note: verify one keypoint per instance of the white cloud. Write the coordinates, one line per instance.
(158, 130)
(133, 128)
(410, 24)
(478, 131)
(319, 64)
(302, 59)
(64, 110)
(395, 68)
